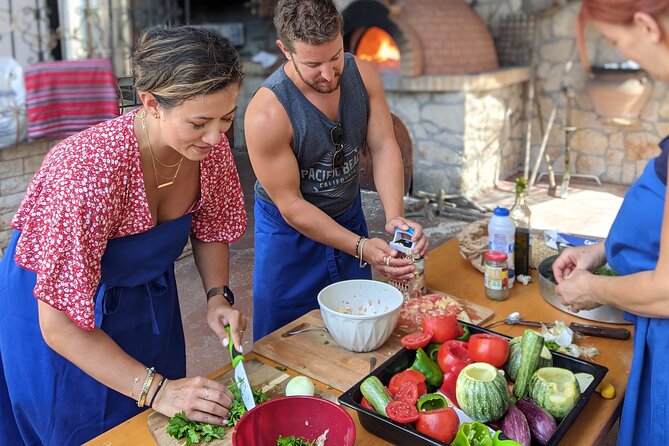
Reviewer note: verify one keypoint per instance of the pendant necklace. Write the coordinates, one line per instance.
(154, 159)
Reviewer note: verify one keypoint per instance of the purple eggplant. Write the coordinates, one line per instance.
(542, 424)
(515, 426)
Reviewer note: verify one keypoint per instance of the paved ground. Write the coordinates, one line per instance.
(588, 210)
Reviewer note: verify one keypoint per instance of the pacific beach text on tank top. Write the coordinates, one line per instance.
(332, 190)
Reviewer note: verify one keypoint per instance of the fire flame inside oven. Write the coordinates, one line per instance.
(377, 46)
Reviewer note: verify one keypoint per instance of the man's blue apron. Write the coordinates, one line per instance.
(44, 398)
(290, 269)
(633, 245)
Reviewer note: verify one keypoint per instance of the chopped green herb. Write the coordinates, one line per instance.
(237, 408)
(293, 441)
(281, 368)
(326, 342)
(179, 427)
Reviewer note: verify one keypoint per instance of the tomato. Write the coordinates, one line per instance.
(402, 412)
(364, 403)
(407, 393)
(453, 354)
(489, 348)
(450, 379)
(441, 424)
(443, 328)
(416, 340)
(407, 375)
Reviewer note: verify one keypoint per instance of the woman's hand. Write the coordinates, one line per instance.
(583, 257)
(200, 398)
(575, 291)
(220, 314)
(420, 242)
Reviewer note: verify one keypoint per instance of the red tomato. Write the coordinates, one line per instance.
(443, 328)
(489, 348)
(407, 393)
(453, 354)
(402, 412)
(364, 403)
(441, 424)
(448, 385)
(407, 375)
(416, 340)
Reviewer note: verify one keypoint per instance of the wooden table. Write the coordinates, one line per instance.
(447, 271)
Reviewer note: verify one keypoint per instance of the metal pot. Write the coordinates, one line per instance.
(605, 313)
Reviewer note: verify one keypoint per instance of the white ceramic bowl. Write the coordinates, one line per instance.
(360, 314)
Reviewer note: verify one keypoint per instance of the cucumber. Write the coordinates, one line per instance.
(531, 345)
(481, 392)
(513, 363)
(376, 394)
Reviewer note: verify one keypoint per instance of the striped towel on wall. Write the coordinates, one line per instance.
(65, 97)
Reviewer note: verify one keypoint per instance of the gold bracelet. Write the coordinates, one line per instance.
(362, 247)
(150, 373)
(134, 383)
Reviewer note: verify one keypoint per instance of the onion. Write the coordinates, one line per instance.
(300, 385)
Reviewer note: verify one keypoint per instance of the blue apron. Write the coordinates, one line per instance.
(44, 398)
(290, 268)
(633, 245)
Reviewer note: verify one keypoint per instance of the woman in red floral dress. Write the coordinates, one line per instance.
(90, 327)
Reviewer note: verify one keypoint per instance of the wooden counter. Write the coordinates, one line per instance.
(447, 271)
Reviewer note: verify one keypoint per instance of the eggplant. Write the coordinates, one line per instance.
(515, 426)
(542, 424)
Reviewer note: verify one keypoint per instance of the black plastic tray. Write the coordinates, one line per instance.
(401, 434)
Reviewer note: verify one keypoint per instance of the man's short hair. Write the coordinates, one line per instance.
(313, 22)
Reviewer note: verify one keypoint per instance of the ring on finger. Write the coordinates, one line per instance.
(386, 260)
(205, 394)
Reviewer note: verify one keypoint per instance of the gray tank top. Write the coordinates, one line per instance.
(331, 190)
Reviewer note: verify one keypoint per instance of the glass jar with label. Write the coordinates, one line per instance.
(496, 276)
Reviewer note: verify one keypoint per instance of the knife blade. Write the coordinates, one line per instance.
(603, 332)
(241, 379)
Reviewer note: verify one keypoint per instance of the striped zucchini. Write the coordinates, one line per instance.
(482, 392)
(513, 363)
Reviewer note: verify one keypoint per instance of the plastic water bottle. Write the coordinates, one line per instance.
(501, 237)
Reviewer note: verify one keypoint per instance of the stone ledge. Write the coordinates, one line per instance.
(490, 80)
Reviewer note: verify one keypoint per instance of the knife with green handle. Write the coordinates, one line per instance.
(241, 379)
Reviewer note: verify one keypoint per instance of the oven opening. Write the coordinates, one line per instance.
(376, 45)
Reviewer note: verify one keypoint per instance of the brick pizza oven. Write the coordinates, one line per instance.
(460, 111)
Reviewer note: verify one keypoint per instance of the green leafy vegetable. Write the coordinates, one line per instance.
(237, 408)
(605, 271)
(181, 427)
(293, 441)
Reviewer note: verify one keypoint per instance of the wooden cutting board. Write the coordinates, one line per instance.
(264, 376)
(317, 355)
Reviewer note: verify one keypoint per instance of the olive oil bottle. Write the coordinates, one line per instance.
(520, 214)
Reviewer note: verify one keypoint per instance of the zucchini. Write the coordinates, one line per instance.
(531, 345)
(481, 392)
(376, 394)
(555, 390)
(513, 363)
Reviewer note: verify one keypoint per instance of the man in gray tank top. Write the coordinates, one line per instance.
(305, 130)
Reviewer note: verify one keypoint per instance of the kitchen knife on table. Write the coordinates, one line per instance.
(241, 379)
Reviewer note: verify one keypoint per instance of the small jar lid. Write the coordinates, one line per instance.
(495, 256)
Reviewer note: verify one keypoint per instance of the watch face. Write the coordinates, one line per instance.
(229, 296)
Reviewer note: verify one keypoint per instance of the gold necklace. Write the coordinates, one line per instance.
(154, 159)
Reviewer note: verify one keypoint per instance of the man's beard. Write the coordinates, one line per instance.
(333, 86)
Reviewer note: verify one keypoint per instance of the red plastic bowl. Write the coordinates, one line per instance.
(301, 416)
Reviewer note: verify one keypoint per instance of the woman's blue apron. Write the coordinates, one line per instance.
(44, 398)
(633, 245)
(290, 268)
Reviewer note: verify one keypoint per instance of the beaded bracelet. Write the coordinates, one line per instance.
(150, 373)
(357, 247)
(362, 247)
(160, 384)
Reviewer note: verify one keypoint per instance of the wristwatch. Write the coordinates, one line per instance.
(224, 291)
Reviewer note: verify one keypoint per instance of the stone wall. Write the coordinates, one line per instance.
(18, 164)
